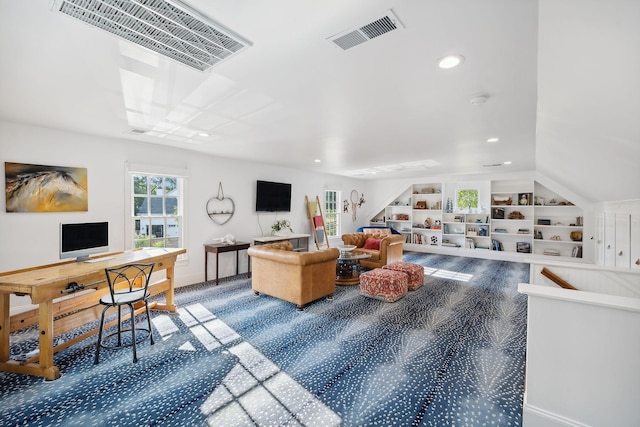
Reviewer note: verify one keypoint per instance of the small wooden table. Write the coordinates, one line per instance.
(348, 268)
(218, 248)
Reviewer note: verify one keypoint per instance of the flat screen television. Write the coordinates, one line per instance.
(273, 197)
(79, 240)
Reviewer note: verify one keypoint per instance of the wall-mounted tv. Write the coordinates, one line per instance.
(273, 197)
(80, 240)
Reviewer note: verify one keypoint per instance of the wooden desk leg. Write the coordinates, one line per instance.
(45, 319)
(217, 264)
(5, 321)
(171, 305)
(237, 262)
(206, 263)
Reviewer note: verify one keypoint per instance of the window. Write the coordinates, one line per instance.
(157, 211)
(332, 212)
(467, 198)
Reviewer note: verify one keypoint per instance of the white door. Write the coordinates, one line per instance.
(609, 239)
(635, 240)
(623, 244)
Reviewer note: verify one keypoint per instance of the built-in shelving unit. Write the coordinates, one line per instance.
(515, 218)
(426, 201)
(558, 225)
(512, 216)
(398, 215)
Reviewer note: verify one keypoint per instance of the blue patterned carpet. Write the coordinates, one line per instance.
(451, 353)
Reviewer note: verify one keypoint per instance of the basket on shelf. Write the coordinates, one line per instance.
(516, 215)
(501, 200)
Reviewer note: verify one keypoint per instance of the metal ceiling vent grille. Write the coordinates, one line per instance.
(350, 38)
(167, 27)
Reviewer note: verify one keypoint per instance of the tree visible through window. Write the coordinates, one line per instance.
(157, 211)
(467, 199)
(332, 212)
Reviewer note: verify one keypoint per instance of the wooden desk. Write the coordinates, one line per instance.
(300, 242)
(218, 248)
(46, 285)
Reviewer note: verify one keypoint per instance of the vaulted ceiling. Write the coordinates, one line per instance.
(381, 109)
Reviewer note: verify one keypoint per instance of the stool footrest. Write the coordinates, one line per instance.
(128, 344)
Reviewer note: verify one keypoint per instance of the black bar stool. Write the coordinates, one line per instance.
(127, 285)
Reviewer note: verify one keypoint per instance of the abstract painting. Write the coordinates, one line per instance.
(39, 188)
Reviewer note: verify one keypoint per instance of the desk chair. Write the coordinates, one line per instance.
(128, 285)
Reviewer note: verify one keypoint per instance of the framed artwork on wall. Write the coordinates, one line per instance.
(40, 188)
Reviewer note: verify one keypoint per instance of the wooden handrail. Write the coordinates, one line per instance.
(557, 280)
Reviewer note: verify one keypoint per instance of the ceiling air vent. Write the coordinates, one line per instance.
(167, 27)
(350, 38)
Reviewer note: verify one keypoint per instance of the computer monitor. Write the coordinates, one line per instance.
(79, 240)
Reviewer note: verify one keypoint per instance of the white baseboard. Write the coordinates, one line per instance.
(532, 416)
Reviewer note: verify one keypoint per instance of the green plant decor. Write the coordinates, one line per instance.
(281, 225)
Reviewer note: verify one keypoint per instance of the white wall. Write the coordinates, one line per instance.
(583, 359)
(30, 239)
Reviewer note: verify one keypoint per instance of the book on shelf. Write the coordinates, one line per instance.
(576, 252)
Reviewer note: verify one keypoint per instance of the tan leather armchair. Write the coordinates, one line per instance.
(390, 247)
(296, 277)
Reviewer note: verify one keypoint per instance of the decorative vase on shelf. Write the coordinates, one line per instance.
(449, 206)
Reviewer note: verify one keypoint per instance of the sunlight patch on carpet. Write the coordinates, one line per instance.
(255, 390)
(452, 275)
(164, 325)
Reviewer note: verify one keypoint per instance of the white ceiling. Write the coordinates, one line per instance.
(294, 97)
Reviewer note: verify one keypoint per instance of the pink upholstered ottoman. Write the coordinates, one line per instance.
(415, 272)
(387, 285)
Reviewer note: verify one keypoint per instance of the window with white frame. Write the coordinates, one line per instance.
(157, 212)
(332, 212)
(467, 198)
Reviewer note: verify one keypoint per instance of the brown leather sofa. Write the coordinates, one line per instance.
(297, 277)
(390, 247)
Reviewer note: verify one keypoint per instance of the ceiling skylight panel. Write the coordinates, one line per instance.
(164, 26)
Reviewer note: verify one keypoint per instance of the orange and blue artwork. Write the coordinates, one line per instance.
(40, 188)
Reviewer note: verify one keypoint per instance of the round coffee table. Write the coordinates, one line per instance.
(348, 268)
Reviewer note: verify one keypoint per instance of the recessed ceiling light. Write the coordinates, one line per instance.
(493, 140)
(317, 160)
(508, 162)
(203, 134)
(450, 61)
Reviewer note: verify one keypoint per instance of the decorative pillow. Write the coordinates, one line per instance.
(372, 243)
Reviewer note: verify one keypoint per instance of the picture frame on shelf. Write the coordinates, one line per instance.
(523, 247)
(524, 199)
(497, 213)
